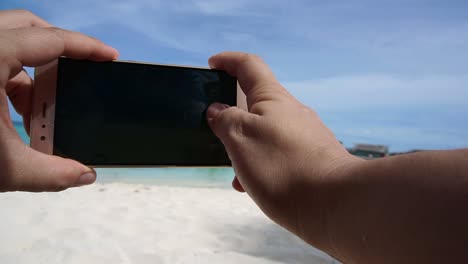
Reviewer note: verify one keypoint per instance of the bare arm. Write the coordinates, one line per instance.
(405, 209)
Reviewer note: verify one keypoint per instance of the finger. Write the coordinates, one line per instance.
(31, 170)
(38, 46)
(19, 90)
(255, 77)
(230, 124)
(20, 18)
(236, 185)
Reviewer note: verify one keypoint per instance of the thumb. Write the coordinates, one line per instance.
(37, 172)
(229, 123)
(232, 126)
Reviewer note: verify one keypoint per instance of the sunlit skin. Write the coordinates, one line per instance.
(405, 209)
(27, 40)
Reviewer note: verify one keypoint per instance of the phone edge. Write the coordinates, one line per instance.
(165, 64)
(46, 83)
(43, 108)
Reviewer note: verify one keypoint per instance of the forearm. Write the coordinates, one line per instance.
(405, 209)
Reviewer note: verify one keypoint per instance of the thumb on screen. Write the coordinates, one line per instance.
(229, 123)
(30, 170)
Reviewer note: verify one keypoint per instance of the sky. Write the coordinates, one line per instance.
(380, 72)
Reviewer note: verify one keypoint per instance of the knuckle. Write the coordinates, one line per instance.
(230, 118)
(24, 12)
(237, 129)
(249, 57)
(306, 109)
(313, 113)
(225, 116)
(58, 32)
(239, 124)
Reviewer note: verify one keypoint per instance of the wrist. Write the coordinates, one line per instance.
(333, 198)
(340, 193)
(328, 181)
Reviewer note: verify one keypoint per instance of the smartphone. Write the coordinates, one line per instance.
(129, 114)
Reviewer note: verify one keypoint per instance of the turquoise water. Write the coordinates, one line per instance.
(193, 177)
(22, 132)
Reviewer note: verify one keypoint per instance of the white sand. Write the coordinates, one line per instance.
(125, 223)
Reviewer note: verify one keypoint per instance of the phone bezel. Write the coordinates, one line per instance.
(43, 110)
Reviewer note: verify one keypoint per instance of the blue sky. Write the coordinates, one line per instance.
(386, 72)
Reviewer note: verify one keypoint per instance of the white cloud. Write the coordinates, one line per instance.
(184, 25)
(207, 25)
(364, 91)
(217, 7)
(362, 54)
(428, 112)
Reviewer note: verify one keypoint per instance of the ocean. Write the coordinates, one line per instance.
(191, 177)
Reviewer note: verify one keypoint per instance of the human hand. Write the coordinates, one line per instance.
(283, 155)
(27, 40)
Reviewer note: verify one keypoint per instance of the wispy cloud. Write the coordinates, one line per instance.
(405, 113)
(384, 34)
(336, 56)
(376, 91)
(182, 25)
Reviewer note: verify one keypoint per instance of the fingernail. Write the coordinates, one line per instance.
(114, 51)
(215, 109)
(210, 62)
(85, 179)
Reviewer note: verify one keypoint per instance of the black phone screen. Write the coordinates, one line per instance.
(130, 114)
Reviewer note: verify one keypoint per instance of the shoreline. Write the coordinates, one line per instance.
(186, 177)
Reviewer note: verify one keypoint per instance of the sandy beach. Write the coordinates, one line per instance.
(131, 223)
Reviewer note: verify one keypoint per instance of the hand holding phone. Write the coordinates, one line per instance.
(284, 157)
(128, 114)
(22, 168)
